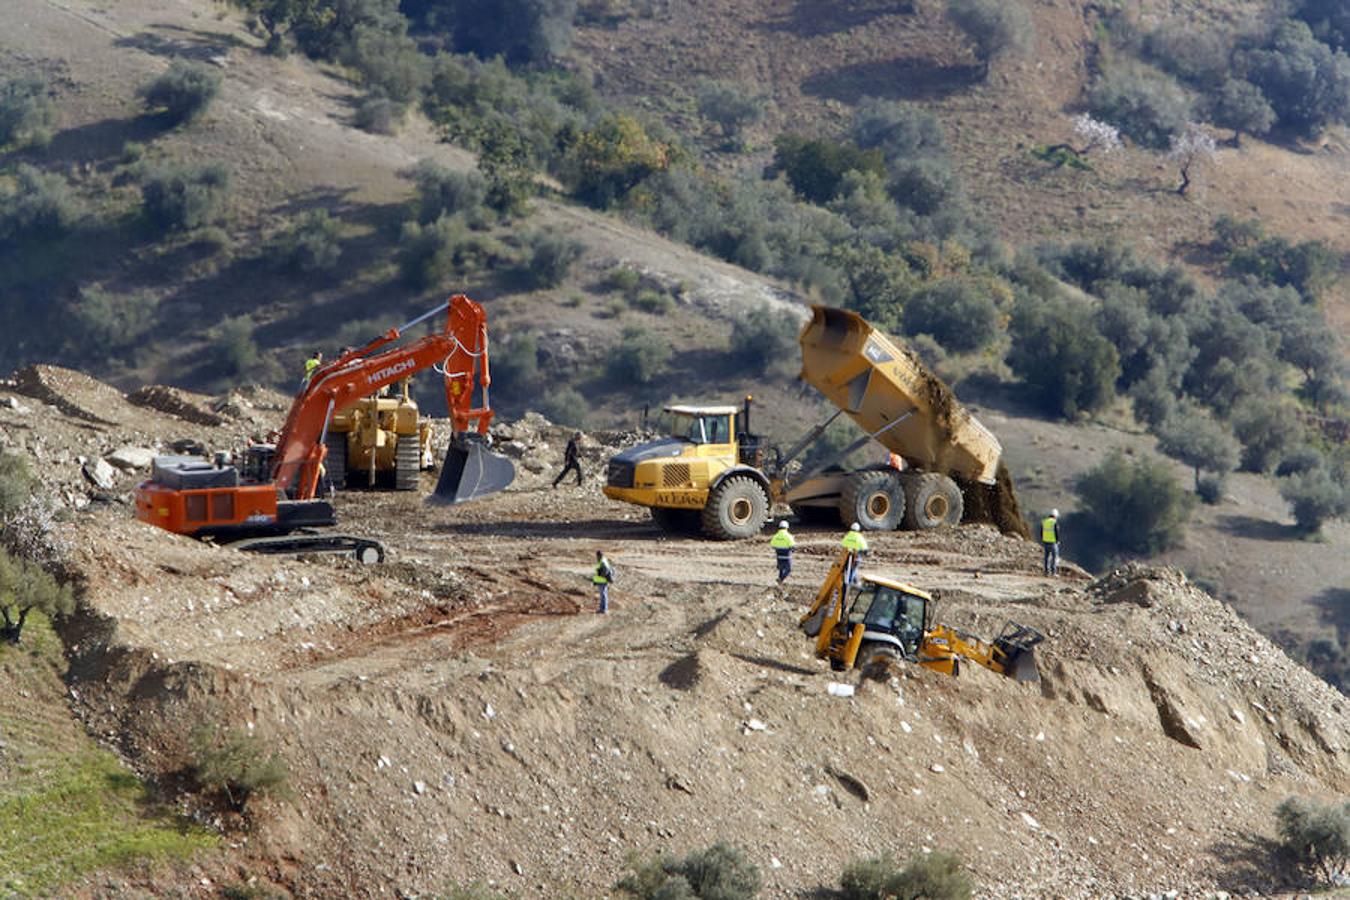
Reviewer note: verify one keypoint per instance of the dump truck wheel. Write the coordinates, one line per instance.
(931, 500)
(876, 661)
(872, 499)
(407, 463)
(737, 508)
(335, 464)
(677, 521)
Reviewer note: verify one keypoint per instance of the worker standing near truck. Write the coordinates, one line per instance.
(782, 543)
(1050, 542)
(856, 545)
(602, 578)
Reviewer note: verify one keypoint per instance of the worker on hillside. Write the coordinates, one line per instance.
(571, 459)
(782, 543)
(1050, 542)
(856, 545)
(313, 363)
(602, 578)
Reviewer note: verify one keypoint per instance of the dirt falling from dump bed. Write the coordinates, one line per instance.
(996, 504)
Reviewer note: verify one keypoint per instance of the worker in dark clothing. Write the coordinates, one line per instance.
(1050, 542)
(571, 459)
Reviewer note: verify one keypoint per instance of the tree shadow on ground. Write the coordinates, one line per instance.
(96, 142)
(813, 18)
(1256, 529)
(184, 43)
(1335, 606)
(894, 79)
(1250, 864)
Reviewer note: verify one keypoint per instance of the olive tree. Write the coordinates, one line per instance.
(1195, 438)
(994, 28)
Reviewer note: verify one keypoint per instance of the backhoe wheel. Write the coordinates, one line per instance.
(737, 508)
(335, 464)
(407, 463)
(872, 499)
(931, 500)
(876, 661)
(681, 522)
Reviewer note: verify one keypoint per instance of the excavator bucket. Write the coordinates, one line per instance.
(470, 471)
(1017, 645)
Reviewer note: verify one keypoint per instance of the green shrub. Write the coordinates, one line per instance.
(432, 254)
(1328, 19)
(237, 764)
(183, 91)
(612, 158)
(445, 191)
(815, 167)
(764, 339)
(1315, 497)
(959, 315)
(103, 324)
(1143, 103)
(1310, 267)
(650, 300)
(728, 106)
(1136, 506)
(25, 109)
(1069, 367)
(640, 356)
(17, 483)
(719, 872)
(935, 876)
(927, 187)
(624, 280)
(1268, 428)
(515, 363)
(389, 62)
(1241, 106)
(235, 350)
(379, 114)
(1306, 83)
(1210, 489)
(26, 586)
(994, 27)
(185, 197)
(1300, 459)
(474, 891)
(1193, 436)
(39, 204)
(520, 31)
(547, 258)
(1315, 836)
(314, 244)
(566, 406)
(901, 131)
(1200, 57)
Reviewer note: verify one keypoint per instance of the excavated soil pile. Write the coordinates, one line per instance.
(75, 394)
(177, 402)
(995, 504)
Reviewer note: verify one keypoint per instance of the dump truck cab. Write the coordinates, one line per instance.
(705, 474)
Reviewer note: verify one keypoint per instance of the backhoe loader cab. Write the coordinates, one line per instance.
(705, 475)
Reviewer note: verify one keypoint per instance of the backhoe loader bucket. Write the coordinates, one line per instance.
(471, 470)
(1017, 644)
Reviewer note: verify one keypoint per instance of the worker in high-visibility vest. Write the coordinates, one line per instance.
(856, 545)
(1050, 542)
(313, 363)
(602, 578)
(782, 543)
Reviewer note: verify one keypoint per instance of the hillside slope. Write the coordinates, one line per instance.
(459, 713)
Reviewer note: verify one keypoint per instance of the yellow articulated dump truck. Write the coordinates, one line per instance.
(710, 473)
(381, 442)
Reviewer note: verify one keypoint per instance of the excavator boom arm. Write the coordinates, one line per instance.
(461, 350)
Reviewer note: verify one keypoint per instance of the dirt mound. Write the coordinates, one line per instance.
(176, 402)
(75, 394)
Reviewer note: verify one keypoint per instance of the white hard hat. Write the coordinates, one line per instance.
(855, 527)
(1054, 514)
(782, 524)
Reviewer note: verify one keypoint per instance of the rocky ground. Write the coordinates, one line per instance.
(461, 713)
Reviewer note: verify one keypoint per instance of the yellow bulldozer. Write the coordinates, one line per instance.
(380, 442)
(876, 622)
(709, 474)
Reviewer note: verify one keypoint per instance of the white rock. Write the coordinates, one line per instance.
(420, 787)
(837, 689)
(937, 767)
(1237, 716)
(775, 863)
(1031, 822)
(488, 712)
(100, 474)
(756, 725)
(131, 458)
(905, 726)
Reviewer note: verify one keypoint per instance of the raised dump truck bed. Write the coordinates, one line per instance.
(875, 382)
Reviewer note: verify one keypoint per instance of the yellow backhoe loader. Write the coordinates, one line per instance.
(709, 474)
(380, 441)
(877, 622)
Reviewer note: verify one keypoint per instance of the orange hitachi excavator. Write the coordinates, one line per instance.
(270, 503)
